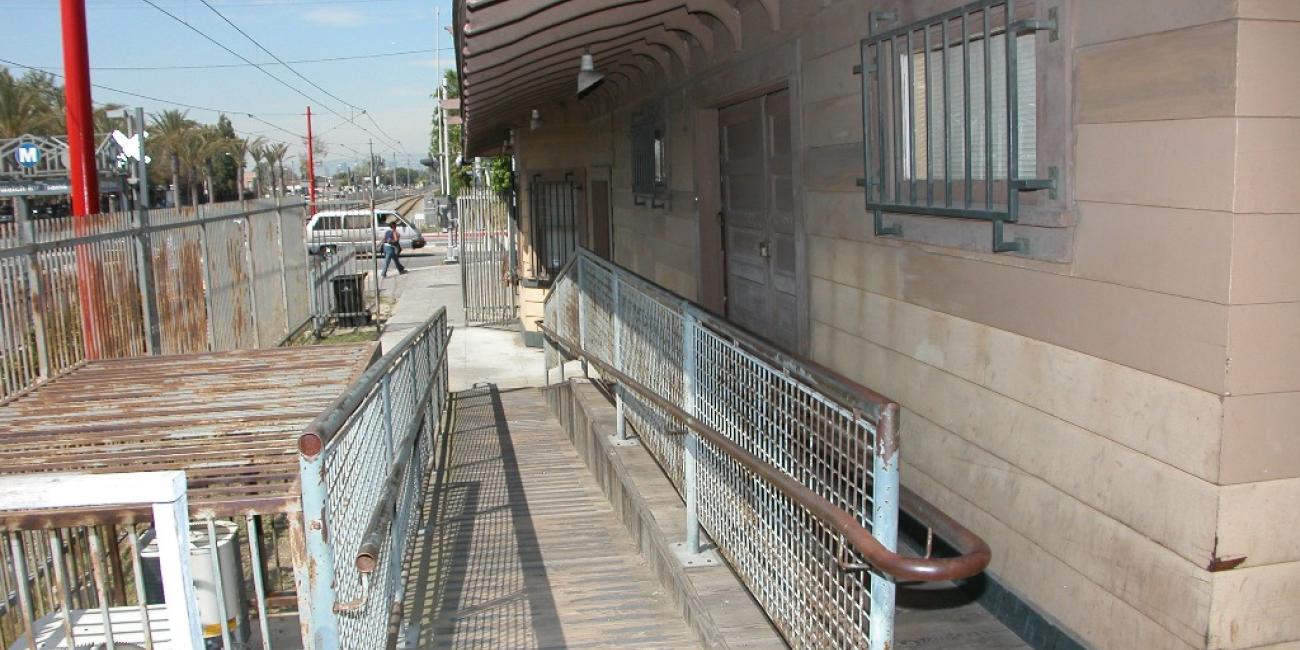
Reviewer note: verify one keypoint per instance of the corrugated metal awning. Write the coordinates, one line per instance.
(516, 55)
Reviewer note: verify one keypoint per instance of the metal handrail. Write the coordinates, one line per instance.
(322, 429)
(367, 557)
(974, 553)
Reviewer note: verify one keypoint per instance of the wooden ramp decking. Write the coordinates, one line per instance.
(520, 549)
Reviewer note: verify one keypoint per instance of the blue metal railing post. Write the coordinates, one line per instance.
(884, 523)
(692, 442)
(616, 319)
(315, 580)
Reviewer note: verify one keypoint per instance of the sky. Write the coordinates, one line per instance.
(394, 90)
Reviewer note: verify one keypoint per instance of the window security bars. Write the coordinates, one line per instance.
(554, 227)
(362, 468)
(949, 117)
(649, 159)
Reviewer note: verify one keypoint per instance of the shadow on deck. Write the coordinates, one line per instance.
(520, 549)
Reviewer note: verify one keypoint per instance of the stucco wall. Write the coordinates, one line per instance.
(1113, 417)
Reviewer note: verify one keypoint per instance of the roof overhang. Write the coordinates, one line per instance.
(517, 55)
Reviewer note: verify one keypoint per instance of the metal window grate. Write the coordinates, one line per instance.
(649, 157)
(949, 117)
(554, 223)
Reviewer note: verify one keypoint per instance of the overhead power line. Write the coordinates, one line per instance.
(151, 97)
(259, 68)
(219, 66)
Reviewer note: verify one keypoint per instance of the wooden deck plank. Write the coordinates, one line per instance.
(522, 550)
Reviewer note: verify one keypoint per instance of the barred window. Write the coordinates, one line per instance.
(649, 157)
(945, 102)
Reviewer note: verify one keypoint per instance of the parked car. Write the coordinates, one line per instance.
(329, 229)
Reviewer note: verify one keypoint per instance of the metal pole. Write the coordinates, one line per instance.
(82, 176)
(259, 586)
(884, 524)
(692, 439)
(374, 233)
(144, 245)
(617, 322)
(311, 169)
(446, 149)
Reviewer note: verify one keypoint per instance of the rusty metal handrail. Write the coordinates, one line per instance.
(367, 556)
(323, 428)
(975, 553)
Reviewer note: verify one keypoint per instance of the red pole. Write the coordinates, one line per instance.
(82, 175)
(311, 168)
(81, 118)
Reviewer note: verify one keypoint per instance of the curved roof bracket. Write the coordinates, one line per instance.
(726, 14)
(657, 54)
(773, 9)
(674, 44)
(696, 29)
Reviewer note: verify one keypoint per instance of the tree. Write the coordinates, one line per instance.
(258, 154)
(240, 149)
(275, 155)
(193, 155)
(168, 133)
(24, 109)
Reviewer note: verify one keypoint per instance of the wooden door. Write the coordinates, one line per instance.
(759, 217)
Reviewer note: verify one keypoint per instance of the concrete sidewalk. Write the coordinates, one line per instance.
(475, 354)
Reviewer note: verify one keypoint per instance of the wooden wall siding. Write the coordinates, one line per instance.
(1113, 418)
(1181, 74)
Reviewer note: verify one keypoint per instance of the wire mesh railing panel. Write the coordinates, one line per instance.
(763, 533)
(486, 256)
(815, 587)
(366, 487)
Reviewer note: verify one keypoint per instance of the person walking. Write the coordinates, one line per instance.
(393, 248)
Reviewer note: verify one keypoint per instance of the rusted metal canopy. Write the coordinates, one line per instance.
(517, 55)
(230, 420)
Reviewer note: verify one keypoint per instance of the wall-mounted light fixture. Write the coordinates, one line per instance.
(587, 75)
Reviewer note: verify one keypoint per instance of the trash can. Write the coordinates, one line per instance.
(350, 300)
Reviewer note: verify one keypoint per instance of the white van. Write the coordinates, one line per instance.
(358, 228)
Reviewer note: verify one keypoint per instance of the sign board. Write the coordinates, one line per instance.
(32, 157)
(27, 155)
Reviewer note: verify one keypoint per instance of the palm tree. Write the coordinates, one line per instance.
(169, 132)
(275, 155)
(26, 108)
(193, 155)
(258, 153)
(214, 146)
(240, 149)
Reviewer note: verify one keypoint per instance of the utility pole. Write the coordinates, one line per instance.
(311, 168)
(143, 244)
(442, 122)
(374, 230)
(393, 156)
(82, 175)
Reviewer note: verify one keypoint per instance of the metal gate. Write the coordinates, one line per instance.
(486, 257)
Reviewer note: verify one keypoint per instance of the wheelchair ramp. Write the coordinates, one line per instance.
(520, 549)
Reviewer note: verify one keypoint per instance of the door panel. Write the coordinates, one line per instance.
(758, 209)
